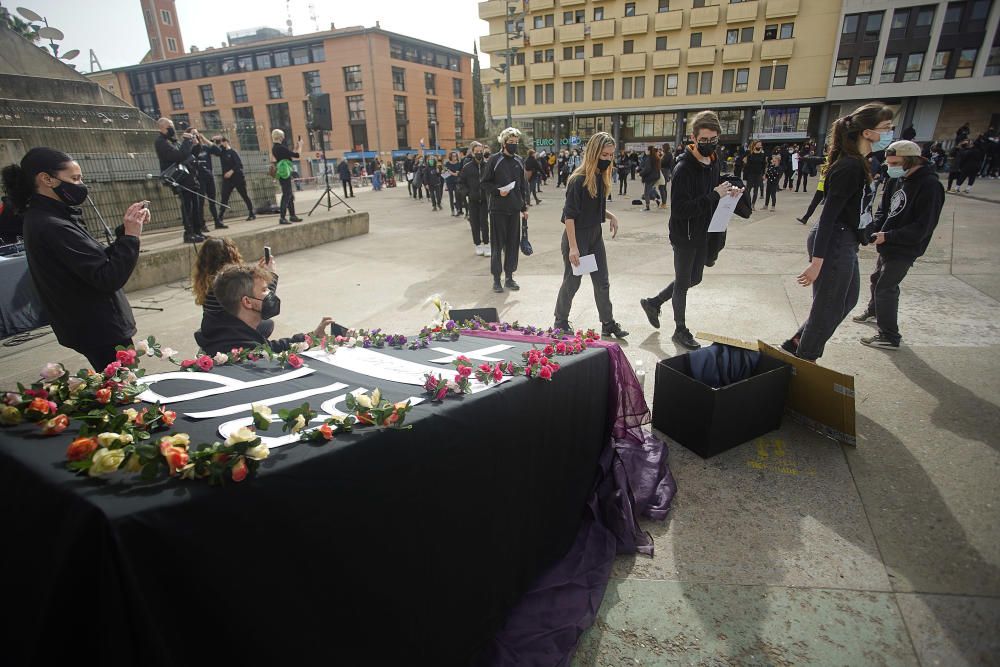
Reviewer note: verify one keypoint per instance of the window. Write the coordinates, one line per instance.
(598, 90)
(539, 22)
(598, 50)
(706, 83)
(165, 17)
(578, 90)
(430, 86)
(627, 88)
(663, 6)
(568, 91)
(787, 30)
(579, 16)
(263, 61)
(629, 9)
(764, 82)
(661, 43)
(398, 78)
(864, 75)
(780, 77)
(628, 46)
(658, 85)
(318, 53)
(274, 89)
(993, 63)
(402, 141)
(939, 69)
(300, 55)
(196, 70)
(352, 77)
(212, 68)
(573, 52)
(539, 56)
(280, 119)
(873, 26)
(952, 17)
(849, 33)
(550, 93)
(239, 91)
(180, 118)
(598, 13)
(742, 80)
(609, 89)
(671, 84)
(359, 136)
(966, 61)
(695, 39)
(539, 93)
(738, 35)
(840, 72)
(211, 121)
(732, 36)
(176, 100)
(913, 66)
(735, 80)
(608, 92)
(399, 105)
(922, 26)
(356, 107)
(171, 44)
(246, 129)
(244, 63)
(456, 88)
(692, 83)
(281, 59)
(900, 19)
(699, 3)
(207, 96)
(520, 96)
(889, 66)
(728, 77)
(312, 83)
(770, 32)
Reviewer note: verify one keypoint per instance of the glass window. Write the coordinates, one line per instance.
(663, 6)
(966, 61)
(246, 129)
(730, 120)
(661, 43)
(728, 78)
(281, 59)
(639, 90)
(993, 64)
(629, 9)
(598, 13)
(399, 104)
(900, 19)
(980, 8)
(318, 53)
(742, 80)
(628, 46)
(627, 88)
(780, 77)
(889, 66)
(578, 87)
(228, 65)
(538, 93)
(207, 96)
(274, 88)
(787, 30)
(430, 86)
(456, 88)
(609, 89)
(211, 120)
(841, 71)
(672, 84)
(699, 3)
(598, 89)
(658, 85)
(180, 73)
(195, 70)
(864, 75)
(692, 88)
(913, 65)
(695, 39)
(352, 77)
(244, 63)
(239, 91)
(312, 82)
(212, 68)
(732, 36)
(706, 83)
(578, 52)
(939, 69)
(764, 82)
(849, 32)
(180, 118)
(300, 55)
(280, 118)
(598, 50)
(873, 26)
(923, 21)
(176, 99)
(746, 34)
(356, 107)
(520, 96)
(771, 31)
(263, 61)
(539, 22)
(398, 78)
(568, 91)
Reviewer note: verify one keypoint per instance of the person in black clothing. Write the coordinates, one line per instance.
(233, 176)
(203, 150)
(281, 152)
(344, 172)
(787, 166)
(470, 181)
(802, 180)
(970, 159)
(624, 167)
(650, 174)
(695, 193)
(738, 161)
(176, 157)
(962, 133)
(505, 185)
(583, 217)
(902, 229)
(451, 169)
(242, 291)
(754, 164)
(78, 280)
(433, 180)
(667, 162)
(772, 176)
(910, 133)
(832, 244)
(533, 174)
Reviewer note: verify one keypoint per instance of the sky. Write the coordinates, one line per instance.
(115, 31)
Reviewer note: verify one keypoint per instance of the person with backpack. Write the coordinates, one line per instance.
(283, 169)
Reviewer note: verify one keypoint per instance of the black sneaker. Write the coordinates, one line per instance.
(204, 231)
(880, 341)
(252, 216)
(295, 218)
(497, 287)
(791, 346)
(864, 318)
(684, 338)
(221, 225)
(193, 237)
(612, 328)
(652, 312)
(511, 285)
(802, 220)
(563, 325)
(282, 221)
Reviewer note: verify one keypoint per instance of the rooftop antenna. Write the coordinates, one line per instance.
(312, 15)
(288, 12)
(95, 64)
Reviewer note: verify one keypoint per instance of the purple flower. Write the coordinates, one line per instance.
(449, 325)
(367, 343)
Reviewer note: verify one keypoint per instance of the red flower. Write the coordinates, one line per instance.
(103, 396)
(139, 419)
(112, 368)
(510, 367)
(561, 348)
(391, 419)
(442, 393)
(56, 425)
(365, 419)
(36, 393)
(463, 360)
(486, 368)
(125, 357)
(81, 448)
(548, 350)
(465, 371)
(188, 363)
(240, 470)
(41, 406)
(326, 431)
(545, 373)
(168, 417)
(205, 363)
(498, 373)
(578, 348)
(295, 361)
(177, 457)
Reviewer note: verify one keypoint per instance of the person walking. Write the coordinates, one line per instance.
(344, 173)
(788, 166)
(434, 182)
(470, 179)
(583, 217)
(802, 180)
(902, 229)
(832, 244)
(738, 161)
(233, 177)
(772, 176)
(970, 159)
(754, 165)
(452, 166)
(694, 195)
(818, 196)
(532, 168)
(505, 185)
(666, 172)
(650, 174)
(283, 169)
(623, 168)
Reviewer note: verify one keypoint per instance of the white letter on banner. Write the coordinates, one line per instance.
(226, 384)
(287, 398)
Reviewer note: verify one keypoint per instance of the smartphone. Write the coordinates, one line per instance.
(267, 254)
(145, 205)
(337, 330)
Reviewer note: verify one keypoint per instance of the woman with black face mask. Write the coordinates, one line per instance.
(78, 280)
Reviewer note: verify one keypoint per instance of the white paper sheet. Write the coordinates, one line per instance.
(723, 213)
(508, 187)
(588, 264)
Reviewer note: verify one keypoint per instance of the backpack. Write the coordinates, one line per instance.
(284, 169)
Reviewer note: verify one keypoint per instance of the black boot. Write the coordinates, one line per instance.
(612, 328)
(684, 338)
(221, 225)
(652, 312)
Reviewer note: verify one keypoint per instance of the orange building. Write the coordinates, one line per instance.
(163, 29)
(388, 93)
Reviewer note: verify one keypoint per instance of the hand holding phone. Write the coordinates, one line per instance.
(267, 255)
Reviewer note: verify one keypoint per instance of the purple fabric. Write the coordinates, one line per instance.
(545, 625)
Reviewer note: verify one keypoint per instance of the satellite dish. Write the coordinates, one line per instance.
(28, 14)
(69, 55)
(51, 33)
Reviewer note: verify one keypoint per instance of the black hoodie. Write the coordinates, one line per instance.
(221, 332)
(692, 199)
(908, 214)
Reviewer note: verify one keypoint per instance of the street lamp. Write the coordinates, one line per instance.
(510, 26)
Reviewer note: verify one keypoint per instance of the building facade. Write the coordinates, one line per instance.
(388, 93)
(639, 69)
(163, 30)
(936, 63)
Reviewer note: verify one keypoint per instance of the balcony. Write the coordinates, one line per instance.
(498, 42)
(602, 64)
(541, 36)
(541, 5)
(742, 11)
(571, 33)
(670, 58)
(567, 3)
(632, 25)
(701, 55)
(602, 29)
(668, 20)
(492, 9)
(703, 16)
(543, 70)
(778, 8)
(632, 61)
(773, 49)
(737, 53)
(517, 73)
(571, 67)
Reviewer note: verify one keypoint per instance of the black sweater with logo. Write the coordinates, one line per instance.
(909, 213)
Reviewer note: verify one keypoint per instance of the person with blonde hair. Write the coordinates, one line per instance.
(282, 155)
(583, 215)
(504, 182)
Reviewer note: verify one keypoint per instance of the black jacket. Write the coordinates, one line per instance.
(203, 154)
(344, 170)
(667, 166)
(432, 177)
(755, 165)
(585, 211)
(470, 178)
(500, 170)
(909, 213)
(79, 281)
(172, 152)
(221, 332)
(970, 160)
(650, 172)
(692, 199)
(230, 161)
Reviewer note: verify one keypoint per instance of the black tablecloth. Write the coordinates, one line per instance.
(383, 547)
(20, 307)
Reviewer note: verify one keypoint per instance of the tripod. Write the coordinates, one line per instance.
(326, 179)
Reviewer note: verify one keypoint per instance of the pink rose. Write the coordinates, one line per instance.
(240, 470)
(465, 371)
(463, 360)
(544, 362)
(486, 368)
(188, 363)
(561, 348)
(510, 367)
(498, 373)
(205, 363)
(168, 417)
(56, 425)
(548, 350)
(545, 373)
(295, 361)
(326, 431)
(112, 368)
(125, 357)
(442, 393)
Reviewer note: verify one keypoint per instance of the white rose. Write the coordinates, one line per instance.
(258, 452)
(376, 397)
(261, 409)
(220, 359)
(12, 398)
(352, 341)
(167, 352)
(76, 384)
(242, 435)
(106, 461)
(141, 348)
(300, 423)
(126, 438)
(107, 439)
(364, 401)
(300, 347)
(52, 371)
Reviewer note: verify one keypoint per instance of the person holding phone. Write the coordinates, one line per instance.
(78, 280)
(215, 254)
(284, 172)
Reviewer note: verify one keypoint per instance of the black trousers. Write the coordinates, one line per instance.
(818, 196)
(788, 179)
(971, 177)
(101, 355)
(589, 240)
(689, 267)
(835, 293)
(239, 183)
(347, 185)
(287, 197)
(622, 184)
(772, 194)
(479, 221)
(803, 181)
(884, 304)
(191, 212)
(207, 181)
(505, 235)
(435, 192)
(756, 185)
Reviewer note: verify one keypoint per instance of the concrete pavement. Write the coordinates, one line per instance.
(791, 549)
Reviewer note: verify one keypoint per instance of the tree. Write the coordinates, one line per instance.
(477, 95)
(15, 24)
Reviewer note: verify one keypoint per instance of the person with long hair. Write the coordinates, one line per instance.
(583, 216)
(650, 175)
(451, 169)
(214, 254)
(79, 281)
(832, 245)
(754, 164)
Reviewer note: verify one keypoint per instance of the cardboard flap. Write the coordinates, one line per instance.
(726, 340)
(820, 397)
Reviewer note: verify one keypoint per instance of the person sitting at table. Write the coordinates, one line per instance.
(214, 254)
(246, 299)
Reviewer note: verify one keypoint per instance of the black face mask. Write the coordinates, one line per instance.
(171, 133)
(706, 149)
(270, 306)
(74, 194)
(603, 164)
(510, 149)
(478, 157)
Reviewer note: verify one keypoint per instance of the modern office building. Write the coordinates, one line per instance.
(639, 69)
(937, 63)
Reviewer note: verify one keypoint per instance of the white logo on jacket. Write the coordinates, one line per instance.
(897, 203)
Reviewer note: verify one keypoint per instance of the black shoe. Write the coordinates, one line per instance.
(511, 285)
(652, 312)
(221, 225)
(791, 346)
(864, 318)
(612, 328)
(295, 218)
(684, 338)
(802, 220)
(252, 216)
(193, 237)
(497, 287)
(204, 230)
(563, 325)
(880, 341)
(282, 221)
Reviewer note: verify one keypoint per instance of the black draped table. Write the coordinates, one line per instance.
(381, 547)
(20, 307)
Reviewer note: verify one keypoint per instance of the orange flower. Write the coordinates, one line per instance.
(168, 417)
(365, 419)
(240, 470)
(81, 448)
(40, 405)
(103, 396)
(56, 425)
(326, 431)
(177, 457)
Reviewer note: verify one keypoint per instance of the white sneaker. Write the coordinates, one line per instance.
(487, 252)
(480, 250)
(968, 189)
